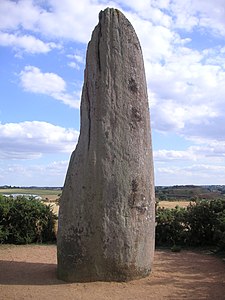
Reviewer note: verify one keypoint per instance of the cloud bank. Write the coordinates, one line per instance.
(29, 140)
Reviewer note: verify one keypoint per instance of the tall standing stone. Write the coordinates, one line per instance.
(106, 218)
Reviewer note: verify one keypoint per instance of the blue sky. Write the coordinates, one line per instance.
(42, 60)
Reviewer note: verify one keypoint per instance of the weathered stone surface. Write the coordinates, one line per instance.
(106, 218)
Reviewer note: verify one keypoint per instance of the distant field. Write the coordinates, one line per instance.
(172, 204)
(50, 194)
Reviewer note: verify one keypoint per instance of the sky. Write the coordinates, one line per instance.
(42, 60)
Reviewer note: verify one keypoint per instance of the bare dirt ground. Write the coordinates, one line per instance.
(29, 272)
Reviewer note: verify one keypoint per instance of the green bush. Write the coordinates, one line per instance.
(170, 229)
(200, 224)
(219, 230)
(200, 220)
(25, 220)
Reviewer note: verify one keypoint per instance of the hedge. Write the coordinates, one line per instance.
(200, 224)
(25, 220)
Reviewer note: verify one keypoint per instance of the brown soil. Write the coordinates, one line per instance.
(29, 272)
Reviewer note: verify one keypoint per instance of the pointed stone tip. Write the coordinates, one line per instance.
(109, 10)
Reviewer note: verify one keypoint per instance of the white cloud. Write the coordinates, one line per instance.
(28, 43)
(206, 150)
(66, 15)
(202, 163)
(156, 40)
(42, 174)
(55, 19)
(27, 140)
(202, 15)
(167, 155)
(33, 80)
(78, 60)
(15, 14)
(184, 13)
(199, 174)
(74, 65)
(149, 10)
(209, 148)
(172, 116)
(187, 15)
(188, 93)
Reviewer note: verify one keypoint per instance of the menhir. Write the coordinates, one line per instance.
(106, 218)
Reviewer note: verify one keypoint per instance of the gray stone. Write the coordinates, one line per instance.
(106, 217)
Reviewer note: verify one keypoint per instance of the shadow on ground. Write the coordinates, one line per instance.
(27, 273)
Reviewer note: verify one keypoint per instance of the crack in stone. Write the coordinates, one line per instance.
(99, 38)
(89, 116)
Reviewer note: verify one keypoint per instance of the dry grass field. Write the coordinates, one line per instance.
(173, 204)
